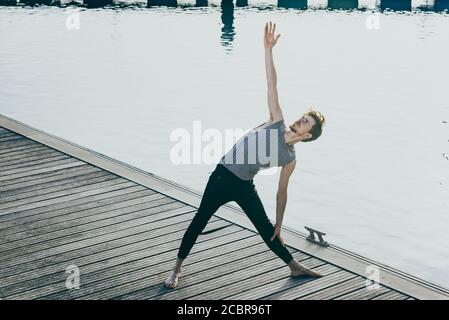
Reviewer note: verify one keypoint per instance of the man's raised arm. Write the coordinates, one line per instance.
(273, 101)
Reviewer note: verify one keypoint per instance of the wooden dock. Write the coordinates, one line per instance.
(63, 206)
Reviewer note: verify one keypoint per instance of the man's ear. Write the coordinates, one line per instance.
(309, 135)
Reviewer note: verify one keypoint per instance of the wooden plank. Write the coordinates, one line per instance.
(121, 267)
(128, 246)
(108, 273)
(391, 295)
(12, 144)
(293, 285)
(37, 200)
(329, 280)
(45, 176)
(82, 207)
(23, 151)
(28, 152)
(27, 164)
(273, 277)
(10, 139)
(154, 246)
(8, 134)
(194, 268)
(49, 192)
(22, 192)
(86, 215)
(4, 134)
(15, 241)
(123, 286)
(52, 248)
(226, 274)
(95, 189)
(400, 296)
(332, 292)
(364, 293)
(246, 279)
(47, 244)
(31, 156)
(4, 174)
(38, 171)
(6, 147)
(86, 202)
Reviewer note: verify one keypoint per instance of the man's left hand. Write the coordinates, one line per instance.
(277, 233)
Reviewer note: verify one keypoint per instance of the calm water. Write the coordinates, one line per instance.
(377, 181)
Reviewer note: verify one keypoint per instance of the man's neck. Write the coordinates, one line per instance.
(289, 137)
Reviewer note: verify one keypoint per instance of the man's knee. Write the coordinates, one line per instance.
(201, 219)
(197, 225)
(266, 236)
(266, 229)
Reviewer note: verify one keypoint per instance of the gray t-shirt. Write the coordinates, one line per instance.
(260, 148)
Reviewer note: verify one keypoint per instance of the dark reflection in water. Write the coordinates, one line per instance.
(396, 5)
(227, 18)
(33, 2)
(227, 8)
(294, 4)
(241, 3)
(97, 3)
(166, 3)
(441, 5)
(343, 4)
(201, 3)
(393, 5)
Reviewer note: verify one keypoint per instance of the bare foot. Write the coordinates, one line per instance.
(303, 271)
(172, 280)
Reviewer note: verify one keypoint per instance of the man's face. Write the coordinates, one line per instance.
(302, 126)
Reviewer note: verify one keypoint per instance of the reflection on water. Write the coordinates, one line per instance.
(294, 4)
(166, 3)
(393, 5)
(343, 4)
(228, 31)
(397, 5)
(227, 18)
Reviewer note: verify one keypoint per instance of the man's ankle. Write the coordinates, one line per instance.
(293, 264)
(177, 270)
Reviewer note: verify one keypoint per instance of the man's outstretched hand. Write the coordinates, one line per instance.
(277, 233)
(269, 39)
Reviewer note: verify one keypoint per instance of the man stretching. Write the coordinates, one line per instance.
(232, 179)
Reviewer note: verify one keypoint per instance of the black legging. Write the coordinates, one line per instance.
(223, 186)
